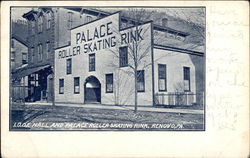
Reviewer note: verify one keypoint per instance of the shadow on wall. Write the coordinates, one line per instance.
(199, 63)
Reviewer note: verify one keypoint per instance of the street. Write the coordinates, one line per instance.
(39, 117)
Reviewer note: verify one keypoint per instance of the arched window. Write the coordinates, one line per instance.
(40, 24)
(33, 24)
(48, 20)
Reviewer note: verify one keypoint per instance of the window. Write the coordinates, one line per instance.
(34, 79)
(32, 54)
(70, 20)
(69, 66)
(40, 24)
(40, 52)
(13, 56)
(88, 18)
(48, 49)
(61, 86)
(123, 56)
(48, 20)
(76, 85)
(24, 57)
(12, 43)
(109, 83)
(186, 72)
(162, 77)
(32, 27)
(91, 62)
(140, 81)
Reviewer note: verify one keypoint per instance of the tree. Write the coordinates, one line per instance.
(138, 55)
(137, 51)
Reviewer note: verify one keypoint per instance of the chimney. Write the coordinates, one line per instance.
(164, 22)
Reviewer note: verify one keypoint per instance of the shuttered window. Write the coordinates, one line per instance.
(91, 62)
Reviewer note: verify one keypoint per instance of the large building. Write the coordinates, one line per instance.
(106, 63)
(50, 28)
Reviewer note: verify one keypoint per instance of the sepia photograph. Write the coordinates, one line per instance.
(81, 68)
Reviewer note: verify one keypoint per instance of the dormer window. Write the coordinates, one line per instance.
(88, 19)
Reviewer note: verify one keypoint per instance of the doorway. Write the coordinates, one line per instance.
(92, 90)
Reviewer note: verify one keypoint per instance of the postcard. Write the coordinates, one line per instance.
(172, 76)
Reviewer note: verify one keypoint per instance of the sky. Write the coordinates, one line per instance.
(17, 13)
(184, 13)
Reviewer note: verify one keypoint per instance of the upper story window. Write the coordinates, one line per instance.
(13, 56)
(40, 52)
(109, 83)
(40, 24)
(123, 56)
(69, 66)
(48, 20)
(186, 75)
(32, 54)
(89, 18)
(91, 62)
(70, 20)
(140, 81)
(33, 24)
(48, 49)
(12, 43)
(162, 77)
(24, 58)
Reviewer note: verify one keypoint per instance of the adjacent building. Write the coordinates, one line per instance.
(47, 28)
(18, 57)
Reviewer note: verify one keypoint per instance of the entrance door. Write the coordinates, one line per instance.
(50, 90)
(92, 90)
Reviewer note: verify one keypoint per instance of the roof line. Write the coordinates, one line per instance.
(94, 20)
(62, 46)
(123, 18)
(19, 39)
(181, 50)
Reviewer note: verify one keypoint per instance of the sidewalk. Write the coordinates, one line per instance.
(140, 108)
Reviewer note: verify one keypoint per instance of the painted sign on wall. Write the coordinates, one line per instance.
(99, 35)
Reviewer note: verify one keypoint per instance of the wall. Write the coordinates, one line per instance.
(62, 29)
(19, 48)
(106, 62)
(41, 37)
(20, 29)
(175, 61)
